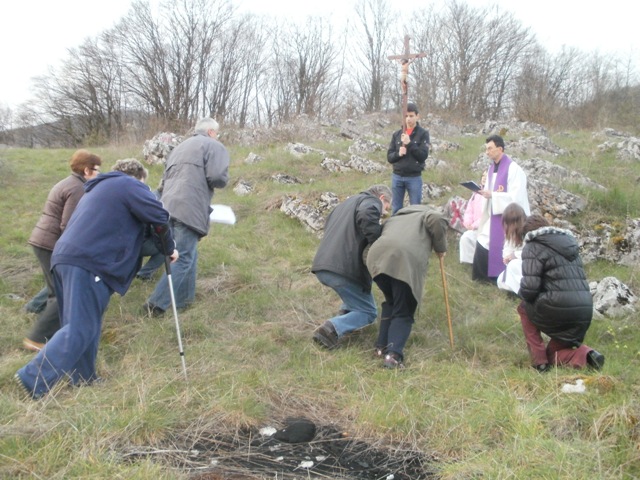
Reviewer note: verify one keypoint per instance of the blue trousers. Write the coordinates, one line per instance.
(183, 271)
(82, 300)
(356, 301)
(400, 185)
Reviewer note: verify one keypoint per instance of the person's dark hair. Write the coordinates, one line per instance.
(497, 140)
(412, 107)
(381, 190)
(534, 222)
(131, 167)
(82, 159)
(513, 219)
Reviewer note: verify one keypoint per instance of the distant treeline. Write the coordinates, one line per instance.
(163, 69)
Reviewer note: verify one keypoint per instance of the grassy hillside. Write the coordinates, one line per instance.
(477, 410)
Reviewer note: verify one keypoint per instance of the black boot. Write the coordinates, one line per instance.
(595, 360)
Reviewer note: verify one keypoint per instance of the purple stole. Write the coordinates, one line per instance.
(496, 232)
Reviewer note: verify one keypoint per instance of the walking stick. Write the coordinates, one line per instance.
(446, 300)
(167, 264)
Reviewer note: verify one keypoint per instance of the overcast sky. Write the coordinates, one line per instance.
(36, 34)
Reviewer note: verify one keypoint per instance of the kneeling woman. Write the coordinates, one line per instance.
(556, 298)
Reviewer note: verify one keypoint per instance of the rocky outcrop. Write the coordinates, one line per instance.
(612, 298)
(155, 151)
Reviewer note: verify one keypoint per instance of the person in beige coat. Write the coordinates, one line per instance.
(398, 263)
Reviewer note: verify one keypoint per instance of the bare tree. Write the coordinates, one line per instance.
(542, 92)
(6, 122)
(472, 58)
(167, 60)
(83, 96)
(303, 69)
(240, 61)
(371, 68)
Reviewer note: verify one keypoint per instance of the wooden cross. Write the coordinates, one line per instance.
(405, 59)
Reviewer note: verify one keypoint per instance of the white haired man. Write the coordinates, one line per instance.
(192, 171)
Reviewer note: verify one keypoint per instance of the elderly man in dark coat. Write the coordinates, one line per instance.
(398, 262)
(350, 228)
(556, 298)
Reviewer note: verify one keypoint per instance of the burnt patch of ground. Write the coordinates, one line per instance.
(251, 454)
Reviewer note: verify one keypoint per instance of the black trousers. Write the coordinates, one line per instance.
(398, 312)
(480, 267)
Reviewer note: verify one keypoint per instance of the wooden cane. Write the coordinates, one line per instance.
(446, 300)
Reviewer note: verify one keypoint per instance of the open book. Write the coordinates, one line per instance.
(471, 185)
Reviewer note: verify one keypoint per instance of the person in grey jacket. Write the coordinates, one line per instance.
(60, 204)
(398, 262)
(193, 170)
(556, 299)
(349, 229)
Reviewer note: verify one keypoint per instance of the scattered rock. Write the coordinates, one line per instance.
(285, 179)
(253, 158)
(242, 188)
(334, 165)
(432, 191)
(364, 165)
(612, 298)
(538, 168)
(361, 146)
(155, 151)
(439, 146)
(299, 149)
(311, 217)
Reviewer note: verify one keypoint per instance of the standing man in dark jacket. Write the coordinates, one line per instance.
(556, 298)
(193, 169)
(407, 153)
(350, 228)
(97, 254)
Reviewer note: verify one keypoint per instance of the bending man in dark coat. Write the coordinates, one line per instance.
(350, 228)
(398, 262)
(556, 298)
(97, 254)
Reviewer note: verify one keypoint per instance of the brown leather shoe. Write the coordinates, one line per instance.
(326, 335)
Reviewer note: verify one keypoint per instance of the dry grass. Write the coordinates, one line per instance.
(476, 410)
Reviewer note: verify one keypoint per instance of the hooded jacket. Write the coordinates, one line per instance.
(554, 287)
(105, 233)
(194, 168)
(403, 250)
(412, 163)
(349, 229)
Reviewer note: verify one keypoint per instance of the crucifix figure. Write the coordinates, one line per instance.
(406, 58)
